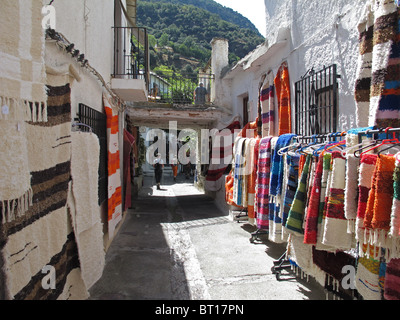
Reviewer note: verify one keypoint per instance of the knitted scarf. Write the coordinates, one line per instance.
(246, 169)
(378, 212)
(351, 191)
(311, 225)
(262, 191)
(294, 222)
(282, 87)
(335, 227)
(267, 98)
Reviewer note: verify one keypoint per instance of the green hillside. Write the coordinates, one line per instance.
(180, 33)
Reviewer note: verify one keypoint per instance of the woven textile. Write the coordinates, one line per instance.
(254, 153)
(311, 224)
(367, 167)
(351, 191)
(262, 189)
(392, 280)
(237, 172)
(325, 184)
(385, 81)
(364, 70)
(277, 181)
(282, 87)
(367, 278)
(335, 227)
(395, 214)
(296, 214)
(291, 186)
(129, 143)
(22, 68)
(221, 156)
(379, 205)
(114, 178)
(83, 205)
(43, 236)
(267, 98)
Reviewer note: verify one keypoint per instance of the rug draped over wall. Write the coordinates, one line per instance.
(114, 177)
(43, 235)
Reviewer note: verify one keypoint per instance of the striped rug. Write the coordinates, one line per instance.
(114, 177)
(43, 237)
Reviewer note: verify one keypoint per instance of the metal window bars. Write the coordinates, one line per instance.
(316, 102)
(97, 122)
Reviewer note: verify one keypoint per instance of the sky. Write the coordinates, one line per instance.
(254, 10)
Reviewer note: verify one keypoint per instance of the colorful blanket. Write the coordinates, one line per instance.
(312, 216)
(254, 153)
(267, 98)
(221, 156)
(335, 227)
(392, 280)
(366, 173)
(378, 83)
(114, 178)
(291, 187)
(296, 214)
(262, 191)
(282, 87)
(378, 211)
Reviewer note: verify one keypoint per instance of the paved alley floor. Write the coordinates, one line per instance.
(176, 245)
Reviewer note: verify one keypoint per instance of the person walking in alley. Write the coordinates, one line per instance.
(200, 94)
(158, 165)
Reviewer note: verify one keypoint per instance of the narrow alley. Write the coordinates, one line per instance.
(176, 245)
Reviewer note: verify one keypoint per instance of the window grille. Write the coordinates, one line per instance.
(316, 102)
(98, 122)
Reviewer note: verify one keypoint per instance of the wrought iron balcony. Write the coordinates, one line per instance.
(177, 88)
(131, 53)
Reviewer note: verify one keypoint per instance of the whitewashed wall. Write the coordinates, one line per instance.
(318, 33)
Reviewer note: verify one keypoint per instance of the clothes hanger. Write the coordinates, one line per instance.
(338, 144)
(348, 149)
(394, 140)
(372, 143)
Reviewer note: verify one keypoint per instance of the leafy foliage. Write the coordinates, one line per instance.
(185, 28)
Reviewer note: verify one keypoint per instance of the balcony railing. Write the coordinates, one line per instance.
(176, 88)
(131, 53)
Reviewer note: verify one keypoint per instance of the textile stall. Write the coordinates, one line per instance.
(334, 199)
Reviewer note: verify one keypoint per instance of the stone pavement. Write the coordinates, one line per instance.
(176, 245)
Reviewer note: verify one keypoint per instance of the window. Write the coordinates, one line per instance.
(245, 110)
(316, 102)
(98, 122)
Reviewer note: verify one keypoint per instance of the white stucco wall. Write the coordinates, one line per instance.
(318, 33)
(88, 24)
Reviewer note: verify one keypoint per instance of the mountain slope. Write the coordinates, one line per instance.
(188, 29)
(223, 12)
